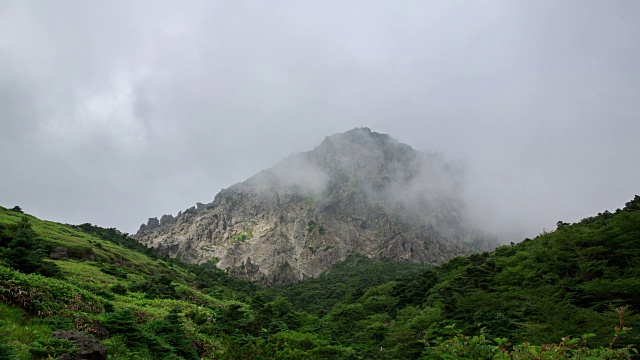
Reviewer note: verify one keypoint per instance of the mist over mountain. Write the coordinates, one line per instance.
(359, 192)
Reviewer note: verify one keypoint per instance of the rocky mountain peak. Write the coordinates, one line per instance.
(359, 192)
(361, 152)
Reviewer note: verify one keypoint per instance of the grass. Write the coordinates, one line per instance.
(19, 331)
(55, 234)
(86, 275)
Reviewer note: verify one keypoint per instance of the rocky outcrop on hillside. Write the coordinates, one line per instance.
(87, 347)
(359, 192)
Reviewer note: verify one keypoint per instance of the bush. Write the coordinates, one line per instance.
(171, 330)
(123, 322)
(119, 289)
(7, 351)
(22, 250)
(479, 346)
(52, 348)
(57, 323)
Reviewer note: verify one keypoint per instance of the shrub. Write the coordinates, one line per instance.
(17, 209)
(7, 351)
(119, 289)
(172, 331)
(479, 346)
(57, 323)
(51, 348)
(22, 250)
(123, 322)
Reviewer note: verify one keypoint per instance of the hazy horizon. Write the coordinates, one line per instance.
(114, 112)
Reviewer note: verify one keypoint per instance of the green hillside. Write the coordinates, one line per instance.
(573, 293)
(349, 279)
(106, 281)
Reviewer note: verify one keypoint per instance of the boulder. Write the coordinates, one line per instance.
(88, 347)
(59, 253)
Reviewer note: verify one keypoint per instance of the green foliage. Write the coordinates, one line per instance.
(119, 289)
(43, 296)
(125, 290)
(160, 287)
(542, 295)
(22, 250)
(348, 279)
(51, 348)
(158, 338)
(287, 345)
(557, 285)
(209, 279)
(18, 332)
(172, 331)
(295, 345)
(312, 225)
(239, 237)
(123, 322)
(56, 322)
(465, 347)
(248, 234)
(7, 351)
(114, 270)
(117, 237)
(633, 205)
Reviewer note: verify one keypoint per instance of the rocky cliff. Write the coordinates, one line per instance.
(359, 192)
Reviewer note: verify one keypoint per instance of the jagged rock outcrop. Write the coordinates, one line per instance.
(151, 224)
(359, 192)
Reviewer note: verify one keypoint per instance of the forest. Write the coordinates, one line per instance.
(571, 293)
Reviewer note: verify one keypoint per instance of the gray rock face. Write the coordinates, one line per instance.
(166, 220)
(59, 253)
(151, 224)
(359, 192)
(88, 347)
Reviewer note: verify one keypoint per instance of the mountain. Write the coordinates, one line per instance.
(359, 192)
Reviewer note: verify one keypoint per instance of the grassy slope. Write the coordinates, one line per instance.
(85, 288)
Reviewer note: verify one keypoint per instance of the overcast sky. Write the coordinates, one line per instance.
(112, 112)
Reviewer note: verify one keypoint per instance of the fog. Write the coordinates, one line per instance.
(293, 175)
(112, 112)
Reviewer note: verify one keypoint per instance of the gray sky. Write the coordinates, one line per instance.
(112, 112)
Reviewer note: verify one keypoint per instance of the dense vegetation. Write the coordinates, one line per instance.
(570, 293)
(347, 280)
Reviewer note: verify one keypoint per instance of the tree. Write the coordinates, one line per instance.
(22, 250)
(17, 209)
(633, 205)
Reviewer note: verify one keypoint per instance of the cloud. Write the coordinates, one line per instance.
(293, 175)
(113, 112)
